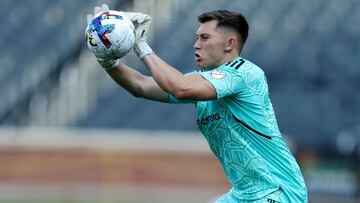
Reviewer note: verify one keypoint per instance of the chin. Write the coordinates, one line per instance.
(199, 65)
(205, 66)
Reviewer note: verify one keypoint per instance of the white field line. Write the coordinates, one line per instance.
(109, 192)
(54, 138)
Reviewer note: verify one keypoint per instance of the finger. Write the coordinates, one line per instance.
(143, 18)
(97, 9)
(130, 15)
(89, 18)
(139, 17)
(104, 7)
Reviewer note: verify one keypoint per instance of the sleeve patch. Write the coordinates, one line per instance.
(217, 74)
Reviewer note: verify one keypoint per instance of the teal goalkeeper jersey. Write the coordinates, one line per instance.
(242, 131)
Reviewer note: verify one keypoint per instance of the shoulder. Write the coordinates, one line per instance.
(240, 67)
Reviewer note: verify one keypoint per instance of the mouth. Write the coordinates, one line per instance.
(197, 57)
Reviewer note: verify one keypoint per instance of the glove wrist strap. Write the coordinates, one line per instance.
(142, 49)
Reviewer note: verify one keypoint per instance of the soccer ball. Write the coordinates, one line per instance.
(110, 34)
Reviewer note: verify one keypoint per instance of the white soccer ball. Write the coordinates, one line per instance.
(110, 35)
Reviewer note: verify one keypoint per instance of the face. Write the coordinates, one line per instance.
(210, 45)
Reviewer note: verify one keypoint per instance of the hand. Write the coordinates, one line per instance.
(97, 9)
(106, 64)
(142, 24)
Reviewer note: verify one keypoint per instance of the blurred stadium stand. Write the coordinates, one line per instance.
(309, 49)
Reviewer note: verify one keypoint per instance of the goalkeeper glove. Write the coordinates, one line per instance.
(142, 24)
(107, 64)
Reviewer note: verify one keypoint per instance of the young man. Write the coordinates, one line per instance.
(233, 107)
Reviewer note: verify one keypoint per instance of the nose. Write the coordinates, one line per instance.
(197, 44)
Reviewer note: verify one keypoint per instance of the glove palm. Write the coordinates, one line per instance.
(142, 24)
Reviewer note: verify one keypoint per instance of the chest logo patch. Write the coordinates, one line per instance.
(217, 74)
(209, 119)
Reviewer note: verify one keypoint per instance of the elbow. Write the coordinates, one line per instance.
(137, 92)
(180, 94)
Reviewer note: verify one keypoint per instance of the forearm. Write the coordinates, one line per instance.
(127, 78)
(168, 78)
(136, 83)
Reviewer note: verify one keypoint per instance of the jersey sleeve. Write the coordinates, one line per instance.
(173, 100)
(225, 79)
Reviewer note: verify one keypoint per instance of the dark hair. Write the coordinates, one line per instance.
(228, 19)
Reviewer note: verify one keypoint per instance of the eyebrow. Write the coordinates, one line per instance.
(202, 34)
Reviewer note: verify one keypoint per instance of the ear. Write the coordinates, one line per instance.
(230, 44)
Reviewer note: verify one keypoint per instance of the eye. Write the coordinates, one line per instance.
(205, 36)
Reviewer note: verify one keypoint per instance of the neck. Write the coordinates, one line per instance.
(227, 58)
(230, 57)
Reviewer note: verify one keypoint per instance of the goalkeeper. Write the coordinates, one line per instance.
(234, 111)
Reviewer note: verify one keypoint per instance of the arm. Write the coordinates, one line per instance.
(137, 84)
(185, 87)
(190, 87)
(166, 79)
